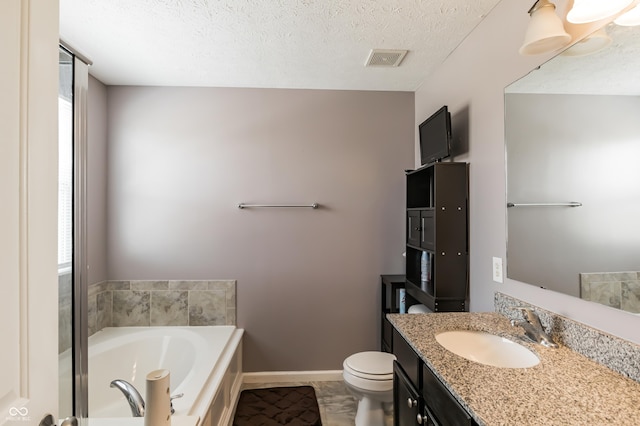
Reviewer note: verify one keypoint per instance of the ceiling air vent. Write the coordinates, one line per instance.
(385, 58)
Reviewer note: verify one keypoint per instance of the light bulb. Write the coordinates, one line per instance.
(629, 19)
(584, 11)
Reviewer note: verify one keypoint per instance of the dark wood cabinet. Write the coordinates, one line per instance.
(437, 253)
(419, 397)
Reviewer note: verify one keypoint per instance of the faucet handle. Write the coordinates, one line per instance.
(171, 398)
(529, 314)
(533, 327)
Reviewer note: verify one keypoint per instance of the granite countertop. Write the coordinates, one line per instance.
(564, 389)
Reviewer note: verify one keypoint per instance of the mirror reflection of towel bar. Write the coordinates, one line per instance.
(569, 204)
(311, 206)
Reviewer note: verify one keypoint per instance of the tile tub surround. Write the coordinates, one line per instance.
(619, 290)
(566, 388)
(161, 303)
(617, 354)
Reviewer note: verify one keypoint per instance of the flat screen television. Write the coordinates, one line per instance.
(435, 137)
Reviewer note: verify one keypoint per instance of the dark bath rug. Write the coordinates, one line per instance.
(292, 406)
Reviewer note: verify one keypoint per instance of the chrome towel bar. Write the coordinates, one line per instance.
(245, 206)
(569, 204)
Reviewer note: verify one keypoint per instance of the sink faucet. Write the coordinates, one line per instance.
(533, 328)
(133, 396)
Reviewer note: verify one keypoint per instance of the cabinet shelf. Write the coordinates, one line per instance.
(437, 250)
(390, 298)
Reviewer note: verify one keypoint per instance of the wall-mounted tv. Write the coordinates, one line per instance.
(435, 137)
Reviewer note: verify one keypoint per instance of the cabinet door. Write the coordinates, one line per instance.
(427, 230)
(413, 228)
(440, 404)
(407, 404)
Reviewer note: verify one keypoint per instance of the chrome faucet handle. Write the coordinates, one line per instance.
(529, 315)
(533, 328)
(171, 398)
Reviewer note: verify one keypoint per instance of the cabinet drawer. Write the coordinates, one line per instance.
(406, 357)
(441, 403)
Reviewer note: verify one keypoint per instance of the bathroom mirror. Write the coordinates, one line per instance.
(572, 131)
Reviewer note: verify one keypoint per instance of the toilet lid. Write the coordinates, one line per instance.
(371, 363)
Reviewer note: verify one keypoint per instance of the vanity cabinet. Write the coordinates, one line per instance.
(419, 397)
(437, 235)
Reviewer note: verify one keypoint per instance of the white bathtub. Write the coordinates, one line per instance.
(204, 363)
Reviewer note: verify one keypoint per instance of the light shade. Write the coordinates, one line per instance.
(584, 11)
(629, 19)
(545, 32)
(590, 44)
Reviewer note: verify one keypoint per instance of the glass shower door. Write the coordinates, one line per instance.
(72, 257)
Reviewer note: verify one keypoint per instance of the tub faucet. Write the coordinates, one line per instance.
(133, 396)
(533, 328)
(135, 399)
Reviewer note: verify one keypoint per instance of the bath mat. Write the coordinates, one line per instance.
(292, 406)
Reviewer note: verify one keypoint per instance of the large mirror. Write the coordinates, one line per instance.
(572, 130)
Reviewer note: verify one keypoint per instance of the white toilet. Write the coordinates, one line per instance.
(369, 377)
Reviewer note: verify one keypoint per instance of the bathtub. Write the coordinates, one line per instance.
(204, 363)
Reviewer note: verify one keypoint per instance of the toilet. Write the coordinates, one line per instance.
(369, 377)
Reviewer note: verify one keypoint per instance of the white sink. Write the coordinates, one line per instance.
(487, 348)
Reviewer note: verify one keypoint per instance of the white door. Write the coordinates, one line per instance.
(28, 200)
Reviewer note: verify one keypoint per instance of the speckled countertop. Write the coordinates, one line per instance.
(564, 389)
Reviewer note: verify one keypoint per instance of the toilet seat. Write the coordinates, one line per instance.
(377, 366)
(369, 377)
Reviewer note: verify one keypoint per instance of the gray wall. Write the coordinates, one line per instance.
(181, 159)
(97, 182)
(471, 82)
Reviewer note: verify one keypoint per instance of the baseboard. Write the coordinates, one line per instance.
(292, 376)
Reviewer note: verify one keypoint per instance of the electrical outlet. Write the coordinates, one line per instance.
(497, 269)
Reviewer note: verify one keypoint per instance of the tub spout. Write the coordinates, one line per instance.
(133, 396)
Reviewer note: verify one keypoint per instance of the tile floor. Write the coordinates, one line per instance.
(337, 405)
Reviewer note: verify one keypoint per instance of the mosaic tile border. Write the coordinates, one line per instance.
(613, 352)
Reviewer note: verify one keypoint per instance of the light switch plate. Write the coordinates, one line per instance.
(497, 269)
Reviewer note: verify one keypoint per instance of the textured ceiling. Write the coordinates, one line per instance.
(315, 44)
(611, 71)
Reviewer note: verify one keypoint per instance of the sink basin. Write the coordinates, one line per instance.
(487, 348)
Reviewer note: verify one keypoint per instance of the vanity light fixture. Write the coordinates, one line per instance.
(584, 11)
(545, 32)
(630, 18)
